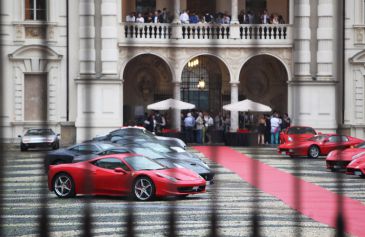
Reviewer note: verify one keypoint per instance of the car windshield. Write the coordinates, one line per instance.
(133, 132)
(106, 146)
(301, 130)
(143, 163)
(318, 138)
(147, 152)
(39, 132)
(361, 145)
(157, 147)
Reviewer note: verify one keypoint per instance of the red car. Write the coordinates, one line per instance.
(296, 133)
(339, 159)
(357, 166)
(122, 175)
(318, 145)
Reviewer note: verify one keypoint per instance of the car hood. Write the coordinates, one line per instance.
(181, 174)
(347, 154)
(300, 137)
(355, 163)
(62, 151)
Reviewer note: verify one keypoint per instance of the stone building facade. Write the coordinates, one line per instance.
(80, 68)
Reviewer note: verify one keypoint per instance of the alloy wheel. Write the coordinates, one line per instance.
(63, 186)
(143, 189)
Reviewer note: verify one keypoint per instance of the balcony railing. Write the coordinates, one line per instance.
(245, 34)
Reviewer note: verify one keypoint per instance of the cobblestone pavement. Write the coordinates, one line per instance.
(233, 199)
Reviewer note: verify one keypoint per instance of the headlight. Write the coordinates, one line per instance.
(166, 177)
(290, 139)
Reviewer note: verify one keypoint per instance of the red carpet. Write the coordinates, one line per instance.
(316, 202)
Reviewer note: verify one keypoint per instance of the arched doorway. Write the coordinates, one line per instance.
(263, 79)
(205, 83)
(147, 79)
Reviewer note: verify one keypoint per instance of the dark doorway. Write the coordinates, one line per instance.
(201, 6)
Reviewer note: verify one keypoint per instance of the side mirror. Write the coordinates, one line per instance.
(19, 135)
(119, 170)
(58, 134)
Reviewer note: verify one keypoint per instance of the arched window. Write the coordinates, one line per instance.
(195, 83)
(35, 10)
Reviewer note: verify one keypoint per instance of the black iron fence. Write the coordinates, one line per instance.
(160, 31)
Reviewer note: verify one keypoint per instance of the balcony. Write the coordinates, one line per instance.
(204, 35)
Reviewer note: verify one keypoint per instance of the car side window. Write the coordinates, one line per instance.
(344, 139)
(111, 164)
(334, 139)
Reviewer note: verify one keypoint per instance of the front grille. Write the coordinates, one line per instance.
(335, 164)
(191, 189)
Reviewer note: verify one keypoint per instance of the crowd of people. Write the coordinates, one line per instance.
(187, 17)
(198, 126)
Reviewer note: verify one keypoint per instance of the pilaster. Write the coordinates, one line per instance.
(176, 112)
(109, 37)
(87, 37)
(234, 99)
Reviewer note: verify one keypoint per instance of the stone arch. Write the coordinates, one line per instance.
(147, 79)
(263, 78)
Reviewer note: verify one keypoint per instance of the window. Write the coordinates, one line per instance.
(85, 149)
(144, 6)
(35, 10)
(111, 164)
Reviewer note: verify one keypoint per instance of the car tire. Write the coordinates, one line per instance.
(63, 185)
(143, 189)
(313, 151)
(23, 147)
(56, 146)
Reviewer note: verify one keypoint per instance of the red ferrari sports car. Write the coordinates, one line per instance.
(357, 166)
(318, 145)
(123, 174)
(296, 133)
(339, 159)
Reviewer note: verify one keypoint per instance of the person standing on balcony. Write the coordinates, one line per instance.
(275, 19)
(226, 18)
(131, 17)
(250, 17)
(156, 17)
(164, 17)
(265, 18)
(184, 17)
(193, 19)
(140, 18)
(281, 19)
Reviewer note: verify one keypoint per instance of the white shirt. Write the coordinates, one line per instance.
(129, 18)
(275, 122)
(184, 17)
(140, 20)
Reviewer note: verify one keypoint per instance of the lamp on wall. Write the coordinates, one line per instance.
(201, 83)
(193, 63)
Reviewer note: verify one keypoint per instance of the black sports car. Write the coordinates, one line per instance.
(66, 155)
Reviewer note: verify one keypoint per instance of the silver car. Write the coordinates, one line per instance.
(39, 137)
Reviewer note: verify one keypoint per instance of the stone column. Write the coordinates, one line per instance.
(234, 99)
(176, 31)
(234, 12)
(291, 12)
(176, 112)
(234, 26)
(177, 9)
